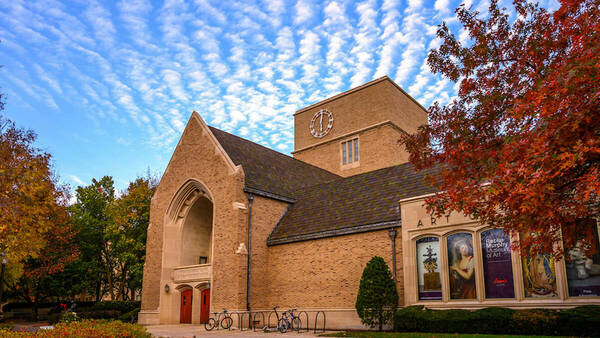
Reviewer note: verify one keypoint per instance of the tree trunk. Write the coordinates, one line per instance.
(35, 310)
(98, 288)
(380, 321)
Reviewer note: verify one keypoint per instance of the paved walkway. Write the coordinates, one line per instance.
(191, 330)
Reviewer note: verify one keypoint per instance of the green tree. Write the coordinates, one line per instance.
(377, 296)
(93, 272)
(127, 234)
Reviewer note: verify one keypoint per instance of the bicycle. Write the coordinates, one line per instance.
(287, 322)
(296, 323)
(222, 318)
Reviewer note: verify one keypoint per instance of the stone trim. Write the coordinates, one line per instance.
(219, 148)
(336, 232)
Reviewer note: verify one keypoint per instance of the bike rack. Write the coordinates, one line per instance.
(233, 320)
(262, 313)
(241, 320)
(316, 321)
(305, 316)
(269, 319)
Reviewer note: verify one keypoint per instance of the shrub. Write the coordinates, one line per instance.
(6, 326)
(492, 319)
(99, 314)
(122, 306)
(111, 310)
(535, 321)
(579, 321)
(68, 317)
(24, 305)
(86, 328)
(377, 296)
(130, 317)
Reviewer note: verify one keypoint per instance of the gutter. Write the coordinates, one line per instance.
(335, 232)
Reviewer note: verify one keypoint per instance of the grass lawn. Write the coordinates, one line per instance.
(369, 334)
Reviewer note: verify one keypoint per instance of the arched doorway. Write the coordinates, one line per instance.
(187, 254)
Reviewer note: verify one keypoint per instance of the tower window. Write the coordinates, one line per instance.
(350, 151)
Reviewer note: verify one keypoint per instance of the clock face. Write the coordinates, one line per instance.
(321, 123)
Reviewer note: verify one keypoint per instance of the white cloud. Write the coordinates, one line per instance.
(303, 12)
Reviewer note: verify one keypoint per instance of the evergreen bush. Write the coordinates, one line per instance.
(377, 296)
(579, 321)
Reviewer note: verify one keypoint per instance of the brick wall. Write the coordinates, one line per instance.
(324, 273)
(372, 104)
(378, 148)
(196, 157)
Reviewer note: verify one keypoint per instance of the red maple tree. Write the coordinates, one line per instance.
(519, 147)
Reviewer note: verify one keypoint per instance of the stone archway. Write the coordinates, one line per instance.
(196, 234)
(187, 255)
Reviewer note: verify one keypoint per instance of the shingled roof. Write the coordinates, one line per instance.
(359, 203)
(270, 172)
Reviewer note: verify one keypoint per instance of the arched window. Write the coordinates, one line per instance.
(497, 264)
(428, 268)
(461, 266)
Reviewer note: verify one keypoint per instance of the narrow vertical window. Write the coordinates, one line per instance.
(583, 262)
(355, 150)
(349, 151)
(461, 265)
(344, 152)
(539, 273)
(497, 264)
(428, 269)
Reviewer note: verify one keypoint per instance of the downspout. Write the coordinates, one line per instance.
(250, 199)
(392, 233)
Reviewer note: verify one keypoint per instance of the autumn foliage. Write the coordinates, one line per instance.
(85, 328)
(32, 203)
(519, 147)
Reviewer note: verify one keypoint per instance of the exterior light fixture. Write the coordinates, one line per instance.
(167, 288)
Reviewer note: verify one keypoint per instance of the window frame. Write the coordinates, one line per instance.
(350, 150)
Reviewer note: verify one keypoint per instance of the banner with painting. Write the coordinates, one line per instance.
(497, 264)
(583, 266)
(539, 274)
(428, 268)
(461, 266)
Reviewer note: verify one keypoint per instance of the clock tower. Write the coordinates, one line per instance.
(357, 131)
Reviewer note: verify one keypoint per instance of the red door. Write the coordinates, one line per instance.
(185, 316)
(205, 306)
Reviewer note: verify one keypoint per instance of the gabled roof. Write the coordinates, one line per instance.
(359, 203)
(268, 171)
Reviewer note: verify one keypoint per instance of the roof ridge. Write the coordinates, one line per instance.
(274, 151)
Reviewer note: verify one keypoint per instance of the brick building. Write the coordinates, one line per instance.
(238, 226)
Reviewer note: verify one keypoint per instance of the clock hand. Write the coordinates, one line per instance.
(321, 122)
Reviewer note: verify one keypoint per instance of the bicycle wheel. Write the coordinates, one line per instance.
(210, 324)
(226, 322)
(296, 324)
(282, 325)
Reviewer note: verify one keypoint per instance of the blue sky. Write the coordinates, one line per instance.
(109, 86)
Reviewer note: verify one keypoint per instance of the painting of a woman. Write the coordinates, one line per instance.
(462, 266)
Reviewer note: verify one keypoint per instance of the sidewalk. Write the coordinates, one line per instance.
(191, 330)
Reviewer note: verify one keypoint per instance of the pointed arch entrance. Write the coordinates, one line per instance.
(188, 247)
